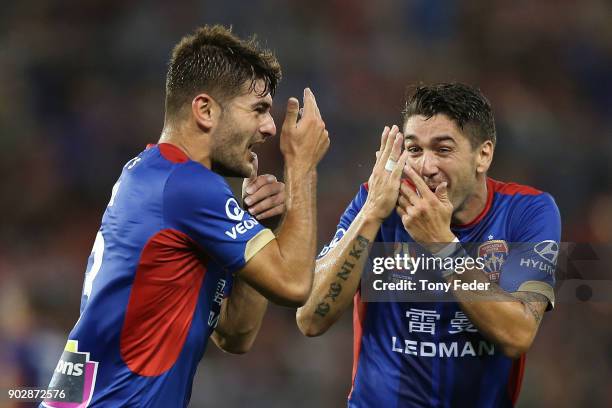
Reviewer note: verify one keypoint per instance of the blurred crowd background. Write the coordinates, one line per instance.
(82, 90)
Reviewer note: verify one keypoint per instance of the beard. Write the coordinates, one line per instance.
(229, 156)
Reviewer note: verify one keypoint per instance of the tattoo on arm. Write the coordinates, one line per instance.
(536, 315)
(335, 288)
(534, 302)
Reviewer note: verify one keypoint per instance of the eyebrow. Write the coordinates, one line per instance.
(262, 104)
(435, 139)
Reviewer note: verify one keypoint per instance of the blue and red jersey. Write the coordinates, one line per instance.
(429, 354)
(170, 241)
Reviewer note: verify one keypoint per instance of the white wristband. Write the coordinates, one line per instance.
(448, 250)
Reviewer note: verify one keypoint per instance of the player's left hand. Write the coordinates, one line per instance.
(425, 214)
(263, 196)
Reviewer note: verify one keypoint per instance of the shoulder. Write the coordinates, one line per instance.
(192, 190)
(191, 179)
(532, 213)
(521, 196)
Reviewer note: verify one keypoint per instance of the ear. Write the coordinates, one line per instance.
(205, 111)
(484, 157)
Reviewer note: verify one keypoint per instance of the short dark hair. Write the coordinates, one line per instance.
(463, 104)
(215, 61)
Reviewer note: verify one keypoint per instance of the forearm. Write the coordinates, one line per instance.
(499, 316)
(296, 235)
(337, 276)
(240, 320)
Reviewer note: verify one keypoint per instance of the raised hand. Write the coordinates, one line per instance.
(426, 214)
(384, 182)
(304, 143)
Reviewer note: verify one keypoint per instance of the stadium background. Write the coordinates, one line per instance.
(81, 92)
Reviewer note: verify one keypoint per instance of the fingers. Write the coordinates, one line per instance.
(403, 202)
(442, 191)
(310, 104)
(262, 187)
(389, 143)
(256, 183)
(278, 210)
(409, 194)
(316, 105)
(400, 211)
(396, 174)
(267, 203)
(383, 141)
(293, 107)
(419, 183)
(396, 150)
(403, 215)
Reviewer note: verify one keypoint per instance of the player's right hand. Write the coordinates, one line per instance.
(303, 143)
(383, 184)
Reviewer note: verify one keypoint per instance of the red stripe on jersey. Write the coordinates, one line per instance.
(162, 302)
(359, 311)
(516, 378)
(511, 188)
(172, 153)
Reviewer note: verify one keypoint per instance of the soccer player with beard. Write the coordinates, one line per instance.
(470, 351)
(176, 259)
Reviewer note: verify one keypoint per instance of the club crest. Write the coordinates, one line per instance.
(494, 254)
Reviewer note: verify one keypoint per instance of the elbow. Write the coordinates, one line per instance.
(301, 293)
(234, 344)
(237, 346)
(236, 349)
(295, 294)
(514, 352)
(311, 331)
(517, 345)
(307, 326)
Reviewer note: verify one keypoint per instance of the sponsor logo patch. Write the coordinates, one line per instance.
(548, 250)
(75, 374)
(235, 213)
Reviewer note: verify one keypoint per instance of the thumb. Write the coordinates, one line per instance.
(247, 181)
(442, 191)
(253, 175)
(293, 106)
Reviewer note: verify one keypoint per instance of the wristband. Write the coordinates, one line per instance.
(448, 250)
(452, 250)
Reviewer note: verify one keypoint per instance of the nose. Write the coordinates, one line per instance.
(268, 128)
(428, 165)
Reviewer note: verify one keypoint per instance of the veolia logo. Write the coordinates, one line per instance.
(233, 210)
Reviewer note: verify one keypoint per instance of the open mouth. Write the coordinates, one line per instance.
(433, 187)
(253, 145)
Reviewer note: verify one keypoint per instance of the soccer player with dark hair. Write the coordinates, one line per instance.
(469, 351)
(177, 259)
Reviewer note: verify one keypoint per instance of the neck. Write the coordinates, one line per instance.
(193, 143)
(473, 205)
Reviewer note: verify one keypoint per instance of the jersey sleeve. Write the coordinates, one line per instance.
(534, 247)
(200, 204)
(346, 219)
